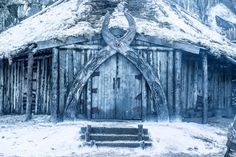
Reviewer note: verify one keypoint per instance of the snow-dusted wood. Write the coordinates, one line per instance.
(205, 88)
(29, 86)
(62, 88)
(121, 46)
(55, 80)
(178, 63)
(1, 87)
(170, 81)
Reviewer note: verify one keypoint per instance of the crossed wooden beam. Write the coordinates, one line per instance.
(122, 46)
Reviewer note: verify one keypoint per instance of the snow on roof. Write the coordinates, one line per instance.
(223, 12)
(70, 18)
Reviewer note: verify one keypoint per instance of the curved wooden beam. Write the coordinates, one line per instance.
(85, 73)
(153, 82)
(139, 62)
(121, 45)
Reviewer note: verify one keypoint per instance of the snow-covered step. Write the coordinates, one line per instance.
(106, 130)
(129, 144)
(115, 137)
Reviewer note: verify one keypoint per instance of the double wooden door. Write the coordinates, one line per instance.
(116, 91)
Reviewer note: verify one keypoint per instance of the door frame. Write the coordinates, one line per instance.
(121, 107)
(139, 62)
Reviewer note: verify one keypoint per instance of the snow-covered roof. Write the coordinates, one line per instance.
(221, 11)
(71, 18)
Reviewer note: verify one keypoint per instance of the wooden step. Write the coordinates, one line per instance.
(119, 144)
(105, 130)
(114, 137)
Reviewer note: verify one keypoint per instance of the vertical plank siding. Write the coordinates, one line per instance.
(13, 86)
(186, 92)
(1, 87)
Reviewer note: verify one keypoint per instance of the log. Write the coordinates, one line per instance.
(37, 88)
(29, 86)
(205, 88)
(1, 87)
(178, 62)
(170, 84)
(55, 88)
(22, 80)
(229, 93)
(195, 83)
(62, 88)
(49, 63)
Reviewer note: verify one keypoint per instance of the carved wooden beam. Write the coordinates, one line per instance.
(55, 88)
(121, 45)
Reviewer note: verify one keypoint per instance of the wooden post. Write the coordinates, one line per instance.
(170, 84)
(140, 132)
(87, 133)
(205, 87)
(29, 85)
(1, 87)
(178, 62)
(62, 89)
(229, 92)
(55, 88)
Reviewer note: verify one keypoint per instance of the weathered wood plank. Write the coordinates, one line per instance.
(57, 43)
(153, 40)
(195, 84)
(178, 63)
(228, 92)
(1, 87)
(186, 47)
(55, 81)
(189, 87)
(42, 72)
(22, 83)
(18, 87)
(163, 70)
(205, 88)
(11, 82)
(45, 109)
(144, 100)
(23, 87)
(184, 84)
(37, 88)
(62, 88)
(49, 87)
(29, 86)
(221, 87)
(170, 82)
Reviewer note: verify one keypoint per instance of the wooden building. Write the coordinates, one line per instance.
(136, 62)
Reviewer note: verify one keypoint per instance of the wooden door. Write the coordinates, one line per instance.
(103, 93)
(117, 90)
(129, 90)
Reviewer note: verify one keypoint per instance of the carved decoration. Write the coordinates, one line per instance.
(121, 45)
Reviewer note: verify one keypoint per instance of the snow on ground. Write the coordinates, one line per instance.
(39, 137)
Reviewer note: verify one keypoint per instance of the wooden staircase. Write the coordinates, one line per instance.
(115, 137)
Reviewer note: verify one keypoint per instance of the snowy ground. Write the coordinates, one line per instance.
(39, 137)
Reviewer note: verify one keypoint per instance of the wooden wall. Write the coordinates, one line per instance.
(72, 60)
(219, 87)
(13, 80)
